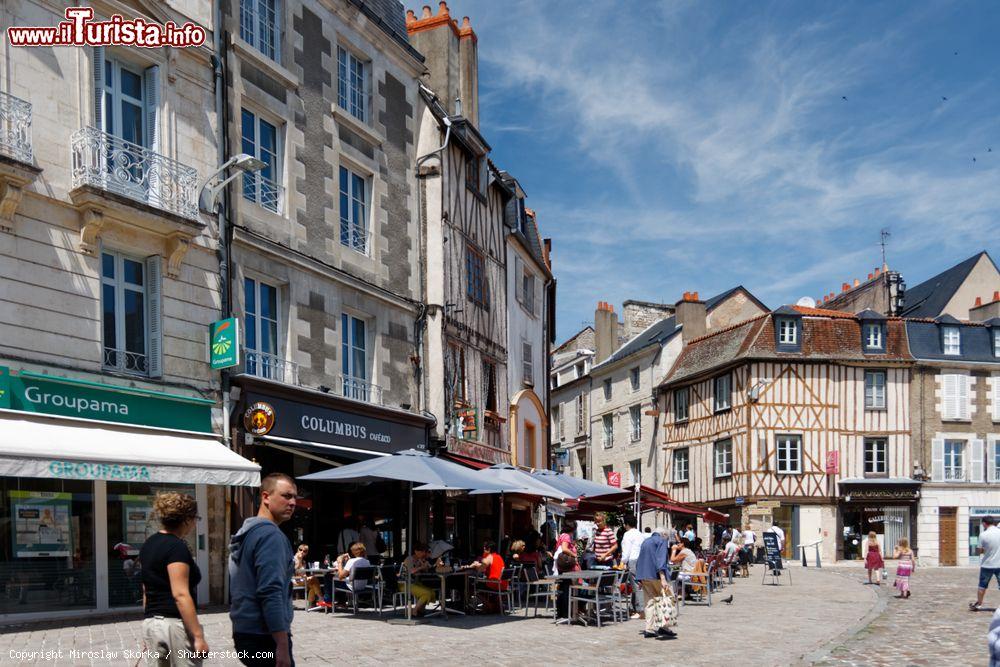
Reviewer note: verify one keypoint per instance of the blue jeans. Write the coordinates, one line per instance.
(987, 573)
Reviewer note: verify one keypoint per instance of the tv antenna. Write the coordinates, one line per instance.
(884, 235)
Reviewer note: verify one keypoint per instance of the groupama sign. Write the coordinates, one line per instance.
(70, 397)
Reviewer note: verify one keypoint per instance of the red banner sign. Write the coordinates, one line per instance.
(833, 462)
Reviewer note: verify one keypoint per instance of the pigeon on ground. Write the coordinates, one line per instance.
(728, 600)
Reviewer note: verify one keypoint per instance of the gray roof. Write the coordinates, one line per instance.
(719, 298)
(656, 334)
(930, 297)
(926, 343)
(391, 18)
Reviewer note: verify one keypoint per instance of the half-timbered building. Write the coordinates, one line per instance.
(804, 408)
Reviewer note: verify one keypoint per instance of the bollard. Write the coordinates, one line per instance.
(805, 563)
(818, 563)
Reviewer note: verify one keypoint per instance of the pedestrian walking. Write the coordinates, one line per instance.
(989, 562)
(632, 540)
(904, 567)
(170, 578)
(873, 559)
(260, 569)
(651, 571)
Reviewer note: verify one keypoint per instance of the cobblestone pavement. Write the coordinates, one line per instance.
(933, 627)
(765, 625)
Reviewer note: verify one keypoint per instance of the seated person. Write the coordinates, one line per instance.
(564, 563)
(685, 557)
(415, 564)
(491, 565)
(312, 584)
(516, 551)
(345, 565)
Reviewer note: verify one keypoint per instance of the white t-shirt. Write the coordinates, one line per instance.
(631, 542)
(776, 529)
(989, 540)
(749, 538)
(350, 565)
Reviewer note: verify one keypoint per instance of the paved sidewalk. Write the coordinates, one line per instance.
(765, 625)
(932, 627)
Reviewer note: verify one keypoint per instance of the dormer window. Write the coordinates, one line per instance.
(787, 332)
(874, 337)
(952, 340)
(787, 329)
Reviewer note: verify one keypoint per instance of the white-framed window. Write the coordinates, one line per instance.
(635, 423)
(527, 363)
(607, 390)
(952, 340)
(352, 84)
(876, 450)
(581, 414)
(130, 313)
(633, 377)
(723, 392)
(354, 210)
(682, 399)
(260, 302)
(954, 464)
(354, 357)
(955, 396)
(528, 288)
(724, 458)
(681, 465)
(259, 26)
(125, 102)
(787, 332)
(789, 453)
(874, 390)
(994, 454)
(635, 471)
(608, 430)
(996, 341)
(873, 336)
(262, 140)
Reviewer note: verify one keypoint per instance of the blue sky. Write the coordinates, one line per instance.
(681, 146)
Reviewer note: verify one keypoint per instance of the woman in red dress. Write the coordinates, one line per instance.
(873, 559)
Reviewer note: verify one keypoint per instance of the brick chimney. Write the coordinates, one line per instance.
(981, 312)
(605, 331)
(691, 315)
(451, 55)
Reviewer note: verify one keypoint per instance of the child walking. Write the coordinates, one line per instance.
(873, 560)
(905, 567)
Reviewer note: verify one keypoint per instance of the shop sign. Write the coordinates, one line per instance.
(91, 470)
(224, 343)
(773, 551)
(861, 495)
(614, 479)
(259, 418)
(833, 462)
(985, 511)
(69, 397)
(41, 524)
(769, 504)
(740, 500)
(313, 423)
(885, 518)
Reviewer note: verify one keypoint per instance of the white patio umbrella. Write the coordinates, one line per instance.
(411, 466)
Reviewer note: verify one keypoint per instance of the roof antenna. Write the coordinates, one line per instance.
(884, 234)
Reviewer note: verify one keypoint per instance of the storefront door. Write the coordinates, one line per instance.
(947, 536)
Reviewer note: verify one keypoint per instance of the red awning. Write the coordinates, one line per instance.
(466, 461)
(653, 499)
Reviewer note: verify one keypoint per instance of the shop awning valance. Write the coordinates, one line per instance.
(73, 449)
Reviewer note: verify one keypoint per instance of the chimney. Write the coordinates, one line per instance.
(979, 301)
(605, 331)
(845, 287)
(985, 311)
(691, 315)
(856, 282)
(451, 56)
(640, 315)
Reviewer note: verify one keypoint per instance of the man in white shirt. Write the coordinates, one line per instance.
(749, 540)
(989, 562)
(776, 529)
(631, 542)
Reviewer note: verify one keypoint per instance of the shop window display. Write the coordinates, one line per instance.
(46, 545)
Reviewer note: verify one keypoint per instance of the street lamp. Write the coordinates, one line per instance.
(208, 193)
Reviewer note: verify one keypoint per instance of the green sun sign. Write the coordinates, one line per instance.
(224, 343)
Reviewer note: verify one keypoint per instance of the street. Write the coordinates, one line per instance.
(816, 620)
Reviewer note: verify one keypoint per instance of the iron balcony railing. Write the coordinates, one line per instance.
(107, 162)
(263, 192)
(125, 361)
(270, 367)
(15, 127)
(354, 237)
(360, 390)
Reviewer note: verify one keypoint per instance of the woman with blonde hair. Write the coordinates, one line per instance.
(873, 559)
(170, 579)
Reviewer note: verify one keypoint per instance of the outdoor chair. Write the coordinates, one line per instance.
(386, 581)
(600, 595)
(354, 594)
(699, 583)
(537, 588)
(504, 589)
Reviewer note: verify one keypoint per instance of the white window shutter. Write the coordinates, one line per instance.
(996, 397)
(949, 396)
(519, 279)
(151, 93)
(155, 308)
(98, 75)
(962, 397)
(537, 285)
(937, 460)
(976, 462)
(991, 460)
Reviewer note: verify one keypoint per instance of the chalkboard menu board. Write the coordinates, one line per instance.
(773, 551)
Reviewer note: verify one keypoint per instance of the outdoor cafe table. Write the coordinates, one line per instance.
(443, 611)
(586, 575)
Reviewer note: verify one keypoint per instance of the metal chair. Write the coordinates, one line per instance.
(536, 588)
(598, 595)
(503, 590)
(354, 593)
(700, 585)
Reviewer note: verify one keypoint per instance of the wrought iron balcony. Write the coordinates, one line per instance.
(15, 127)
(270, 367)
(107, 162)
(263, 192)
(354, 237)
(360, 390)
(125, 361)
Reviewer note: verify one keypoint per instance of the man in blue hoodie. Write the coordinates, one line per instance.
(260, 578)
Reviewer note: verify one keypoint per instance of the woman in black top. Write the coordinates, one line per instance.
(169, 580)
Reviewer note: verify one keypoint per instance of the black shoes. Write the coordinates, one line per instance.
(662, 633)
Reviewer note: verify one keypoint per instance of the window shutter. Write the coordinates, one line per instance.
(996, 397)
(962, 396)
(536, 284)
(949, 396)
(519, 278)
(937, 460)
(98, 75)
(151, 92)
(976, 462)
(155, 305)
(991, 460)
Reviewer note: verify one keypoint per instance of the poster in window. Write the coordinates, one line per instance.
(137, 515)
(41, 524)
